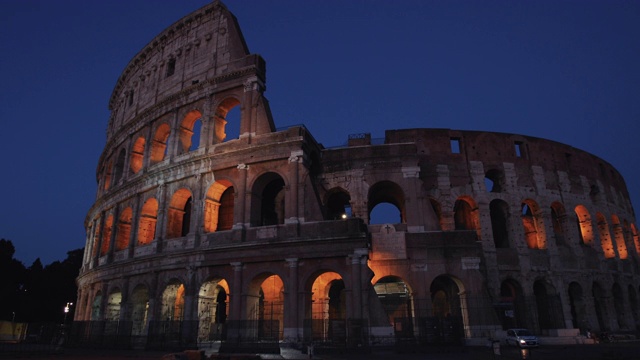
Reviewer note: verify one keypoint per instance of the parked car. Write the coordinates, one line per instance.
(522, 338)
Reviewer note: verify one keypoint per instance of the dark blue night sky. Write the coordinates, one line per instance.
(561, 70)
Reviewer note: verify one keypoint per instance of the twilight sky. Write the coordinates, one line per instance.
(568, 71)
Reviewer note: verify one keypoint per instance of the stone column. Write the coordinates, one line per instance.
(135, 225)
(124, 301)
(291, 209)
(114, 232)
(161, 228)
(235, 313)
(239, 212)
(97, 243)
(291, 323)
(356, 285)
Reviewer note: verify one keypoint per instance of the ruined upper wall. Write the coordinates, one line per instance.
(202, 45)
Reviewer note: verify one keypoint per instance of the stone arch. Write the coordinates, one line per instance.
(119, 167)
(139, 309)
(338, 204)
(326, 308)
(114, 301)
(159, 143)
(268, 200)
(190, 131)
(605, 236)
(220, 118)
(636, 239)
(172, 301)
(124, 229)
(179, 214)
(106, 235)
(466, 214)
(494, 181)
(548, 305)
(136, 162)
(218, 206)
(633, 304)
(213, 309)
(107, 175)
(578, 307)
(512, 309)
(533, 225)
(449, 309)
(96, 307)
(148, 220)
(618, 305)
(618, 235)
(396, 299)
(585, 228)
(499, 213)
(599, 304)
(265, 306)
(387, 192)
(558, 221)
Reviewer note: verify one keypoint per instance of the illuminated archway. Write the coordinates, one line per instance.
(265, 307)
(139, 310)
(213, 310)
(124, 229)
(173, 302)
(159, 144)
(327, 309)
(179, 214)
(148, 220)
(397, 302)
(585, 228)
(605, 237)
(448, 310)
(137, 155)
(218, 207)
(106, 236)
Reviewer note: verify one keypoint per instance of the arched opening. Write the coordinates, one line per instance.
(113, 305)
(499, 213)
(636, 239)
(437, 210)
(599, 302)
(124, 229)
(448, 311)
(338, 205)
(633, 302)
(106, 236)
(494, 181)
(159, 144)
(148, 220)
(227, 120)
(119, 168)
(463, 215)
(558, 218)
(218, 207)
(549, 306)
(512, 309)
(584, 225)
(173, 302)
(190, 130)
(107, 175)
(605, 237)
(618, 305)
(578, 308)
(139, 310)
(268, 199)
(392, 200)
(618, 234)
(137, 155)
(265, 307)
(179, 214)
(96, 307)
(396, 300)
(213, 310)
(533, 225)
(327, 309)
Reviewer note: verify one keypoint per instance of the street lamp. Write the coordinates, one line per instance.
(66, 311)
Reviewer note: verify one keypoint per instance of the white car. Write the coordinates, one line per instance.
(522, 338)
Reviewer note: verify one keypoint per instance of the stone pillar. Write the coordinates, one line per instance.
(292, 208)
(146, 160)
(235, 313)
(114, 232)
(88, 303)
(135, 225)
(291, 323)
(174, 137)
(105, 300)
(97, 243)
(356, 285)
(239, 213)
(161, 228)
(124, 301)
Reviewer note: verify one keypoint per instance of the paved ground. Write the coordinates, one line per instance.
(617, 351)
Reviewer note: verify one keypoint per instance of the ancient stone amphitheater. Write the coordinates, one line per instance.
(198, 236)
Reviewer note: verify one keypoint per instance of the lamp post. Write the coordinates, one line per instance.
(66, 312)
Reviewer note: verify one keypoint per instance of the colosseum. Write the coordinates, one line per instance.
(216, 230)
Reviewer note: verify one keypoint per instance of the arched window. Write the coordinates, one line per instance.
(159, 143)
(218, 207)
(558, 218)
(463, 215)
(190, 131)
(584, 225)
(223, 121)
(124, 229)
(385, 200)
(499, 212)
(107, 175)
(338, 204)
(494, 181)
(148, 220)
(533, 225)
(137, 155)
(605, 237)
(106, 236)
(618, 234)
(179, 214)
(119, 168)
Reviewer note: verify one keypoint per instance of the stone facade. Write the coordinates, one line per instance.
(268, 235)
